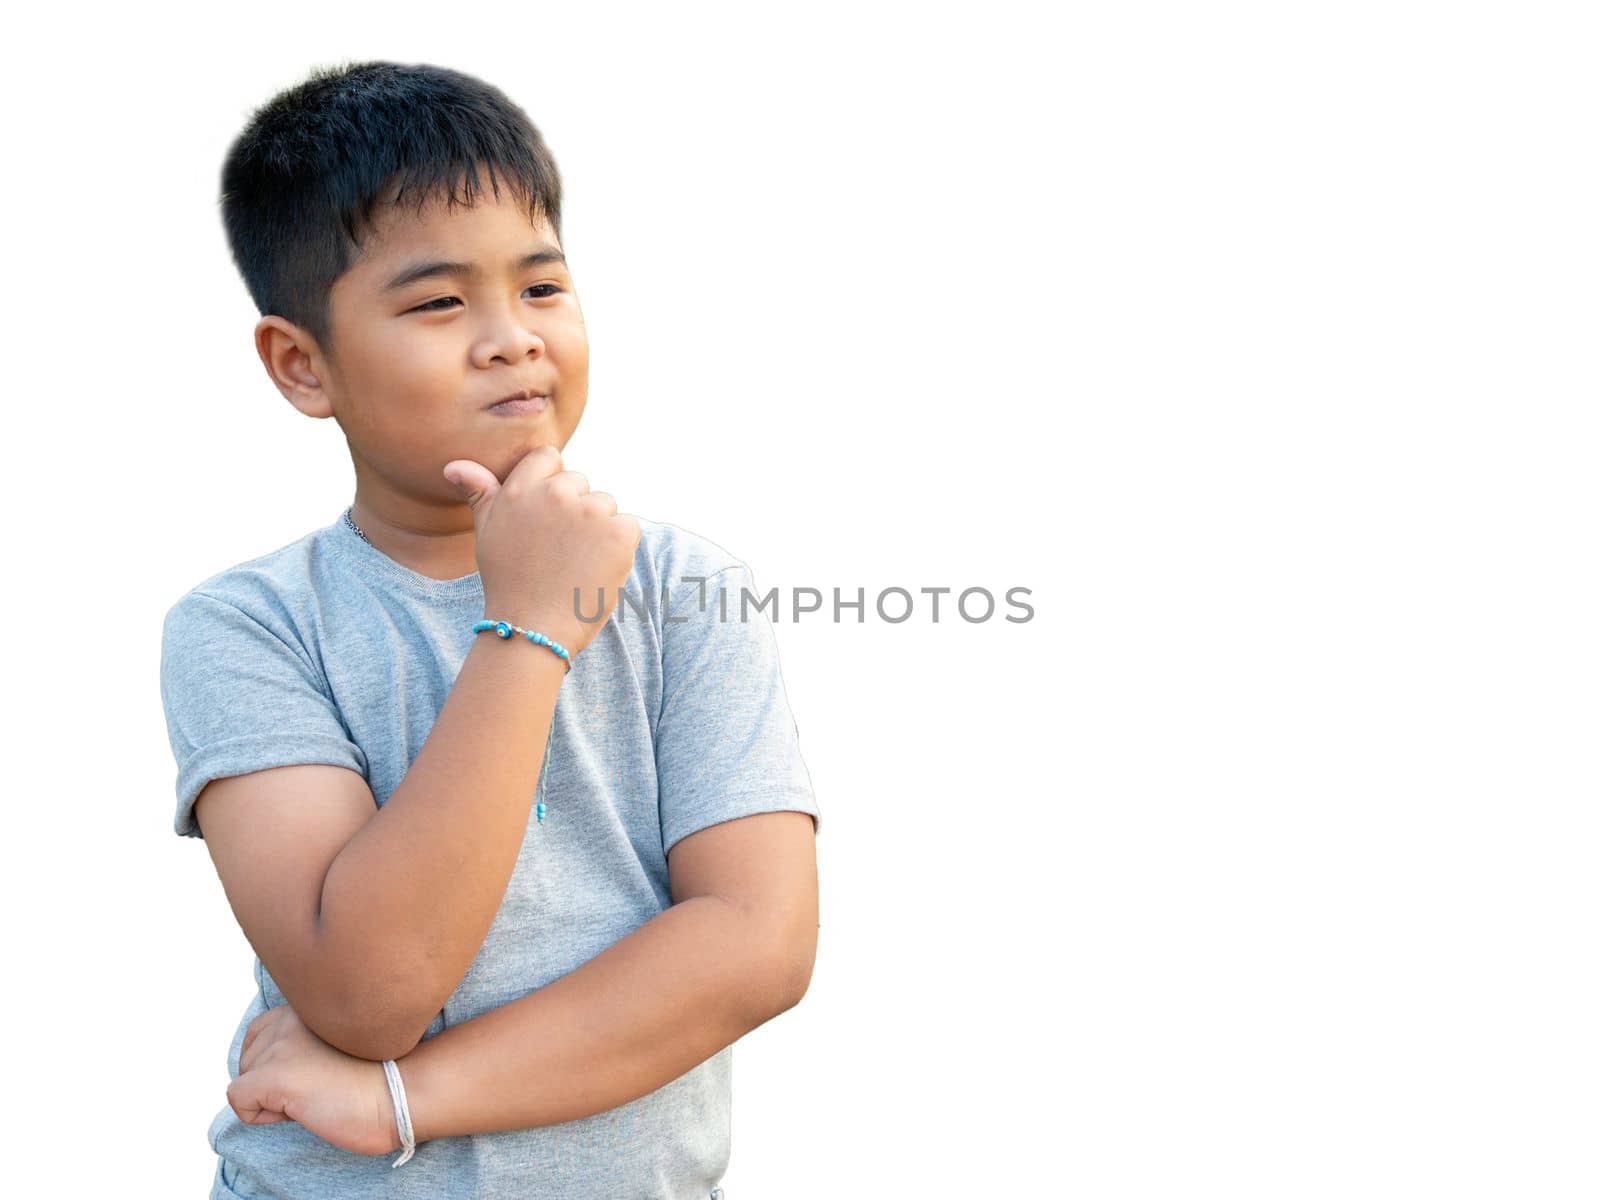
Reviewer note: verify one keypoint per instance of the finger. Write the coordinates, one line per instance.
(248, 1097)
(576, 482)
(254, 1054)
(473, 482)
(536, 464)
(251, 1036)
(605, 502)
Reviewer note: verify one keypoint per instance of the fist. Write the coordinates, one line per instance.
(547, 545)
(288, 1073)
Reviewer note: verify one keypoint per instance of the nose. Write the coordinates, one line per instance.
(510, 341)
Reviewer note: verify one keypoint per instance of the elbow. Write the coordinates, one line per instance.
(787, 972)
(395, 1031)
(391, 1046)
(363, 1038)
(373, 1023)
(359, 1042)
(398, 1043)
(801, 959)
(796, 979)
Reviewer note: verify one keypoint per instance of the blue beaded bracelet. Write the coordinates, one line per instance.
(505, 629)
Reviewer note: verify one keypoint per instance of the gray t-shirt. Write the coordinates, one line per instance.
(674, 718)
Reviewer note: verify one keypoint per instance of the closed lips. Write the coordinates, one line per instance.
(536, 400)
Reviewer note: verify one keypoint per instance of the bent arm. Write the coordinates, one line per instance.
(408, 901)
(693, 979)
(736, 950)
(367, 917)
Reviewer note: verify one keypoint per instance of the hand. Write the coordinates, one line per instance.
(542, 538)
(288, 1073)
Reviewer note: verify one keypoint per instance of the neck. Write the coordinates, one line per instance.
(439, 542)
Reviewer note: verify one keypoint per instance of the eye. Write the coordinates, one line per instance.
(546, 290)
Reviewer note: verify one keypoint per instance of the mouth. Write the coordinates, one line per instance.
(521, 402)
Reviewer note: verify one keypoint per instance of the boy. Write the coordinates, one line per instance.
(549, 871)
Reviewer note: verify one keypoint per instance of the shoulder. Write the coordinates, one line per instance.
(672, 557)
(269, 588)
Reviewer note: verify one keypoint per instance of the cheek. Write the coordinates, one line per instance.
(569, 339)
(575, 375)
(404, 378)
(573, 355)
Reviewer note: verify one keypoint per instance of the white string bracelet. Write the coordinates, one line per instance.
(402, 1112)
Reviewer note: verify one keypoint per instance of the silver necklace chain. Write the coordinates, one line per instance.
(352, 523)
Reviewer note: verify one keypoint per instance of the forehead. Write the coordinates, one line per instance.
(489, 234)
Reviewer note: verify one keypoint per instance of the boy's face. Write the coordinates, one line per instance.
(417, 361)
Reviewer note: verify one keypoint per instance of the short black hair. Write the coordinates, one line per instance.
(300, 183)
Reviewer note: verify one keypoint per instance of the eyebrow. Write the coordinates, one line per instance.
(434, 268)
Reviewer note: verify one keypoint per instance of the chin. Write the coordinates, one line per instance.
(513, 450)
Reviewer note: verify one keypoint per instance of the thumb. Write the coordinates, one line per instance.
(473, 482)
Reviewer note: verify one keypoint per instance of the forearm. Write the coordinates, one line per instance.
(690, 981)
(408, 901)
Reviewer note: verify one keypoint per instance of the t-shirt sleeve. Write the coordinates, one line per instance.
(726, 743)
(240, 697)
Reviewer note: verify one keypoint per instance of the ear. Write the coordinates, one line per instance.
(295, 364)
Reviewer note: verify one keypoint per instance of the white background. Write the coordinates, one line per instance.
(1258, 340)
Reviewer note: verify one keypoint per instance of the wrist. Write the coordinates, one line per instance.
(563, 628)
(420, 1101)
(406, 1139)
(390, 1116)
(506, 629)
